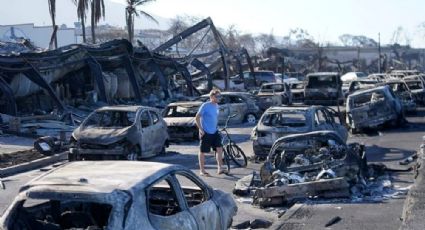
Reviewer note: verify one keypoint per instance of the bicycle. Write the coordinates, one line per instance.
(231, 151)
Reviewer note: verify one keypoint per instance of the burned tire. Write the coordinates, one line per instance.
(133, 153)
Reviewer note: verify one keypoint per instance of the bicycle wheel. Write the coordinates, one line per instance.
(236, 154)
(226, 160)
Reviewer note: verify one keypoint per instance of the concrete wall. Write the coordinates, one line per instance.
(38, 35)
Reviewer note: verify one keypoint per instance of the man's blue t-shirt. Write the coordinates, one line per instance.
(209, 117)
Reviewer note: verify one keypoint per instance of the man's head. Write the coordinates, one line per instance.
(215, 95)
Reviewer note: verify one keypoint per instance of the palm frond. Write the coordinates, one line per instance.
(148, 16)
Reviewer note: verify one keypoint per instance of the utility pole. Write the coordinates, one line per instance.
(379, 52)
(283, 68)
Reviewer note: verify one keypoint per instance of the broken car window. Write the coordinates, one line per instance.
(162, 199)
(272, 88)
(193, 193)
(154, 117)
(145, 119)
(289, 119)
(321, 81)
(181, 111)
(110, 119)
(58, 214)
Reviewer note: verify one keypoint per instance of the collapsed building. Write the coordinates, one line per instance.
(67, 83)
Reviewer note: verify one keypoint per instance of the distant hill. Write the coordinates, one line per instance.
(37, 12)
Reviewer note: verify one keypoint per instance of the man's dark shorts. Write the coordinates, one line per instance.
(209, 141)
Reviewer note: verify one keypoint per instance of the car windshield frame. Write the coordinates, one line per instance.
(115, 119)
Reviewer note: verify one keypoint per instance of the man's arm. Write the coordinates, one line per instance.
(198, 124)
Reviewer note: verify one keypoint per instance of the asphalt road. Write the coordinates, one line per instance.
(387, 146)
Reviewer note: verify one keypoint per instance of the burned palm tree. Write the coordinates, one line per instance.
(82, 8)
(131, 11)
(52, 10)
(97, 12)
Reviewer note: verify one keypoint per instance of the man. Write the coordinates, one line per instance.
(206, 121)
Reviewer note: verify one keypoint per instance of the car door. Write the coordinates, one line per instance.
(223, 109)
(238, 106)
(167, 208)
(199, 202)
(159, 133)
(147, 130)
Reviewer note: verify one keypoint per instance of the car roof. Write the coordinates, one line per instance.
(379, 88)
(322, 73)
(101, 176)
(128, 108)
(186, 103)
(277, 109)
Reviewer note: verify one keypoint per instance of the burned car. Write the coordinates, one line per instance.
(417, 90)
(297, 91)
(120, 132)
(402, 92)
(274, 94)
(323, 88)
(180, 119)
(277, 122)
(372, 108)
(119, 195)
(244, 105)
(317, 164)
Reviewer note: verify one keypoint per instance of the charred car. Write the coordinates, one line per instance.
(119, 195)
(274, 94)
(297, 91)
(417, 90)
(372, 108)
(323, 88)
(317, 164)
(402, 92)
(120, 132)
(180, 119)
(244, 105)
(277, 122)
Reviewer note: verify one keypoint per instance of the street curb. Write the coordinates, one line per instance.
(33, 164)
(414, 205)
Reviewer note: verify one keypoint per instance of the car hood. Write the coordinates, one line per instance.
(102, 136)
(180, 121)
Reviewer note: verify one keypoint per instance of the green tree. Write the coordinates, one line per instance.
(52, 10)
(82, 8)
(131, 11)
(97, 12)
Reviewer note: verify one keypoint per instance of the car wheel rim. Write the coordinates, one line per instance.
(132, 157)
(251, 119)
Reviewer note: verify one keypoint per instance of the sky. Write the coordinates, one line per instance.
(325, 20)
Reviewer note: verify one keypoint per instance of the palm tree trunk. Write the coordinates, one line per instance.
(83, 27)
(93, 24)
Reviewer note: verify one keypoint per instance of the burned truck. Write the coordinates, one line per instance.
(323, 88)
(317, 164)
(372, 108)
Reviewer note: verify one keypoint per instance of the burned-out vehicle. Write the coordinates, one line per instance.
(297, 91)
(323, 88)
(180, 119)
(417, 90)
(277, 122)
(257, 78)
(244, 105)
(120, 132)
(402, 92)
(119, 195)
(372, 108)
(316, 164)
(274, 94)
